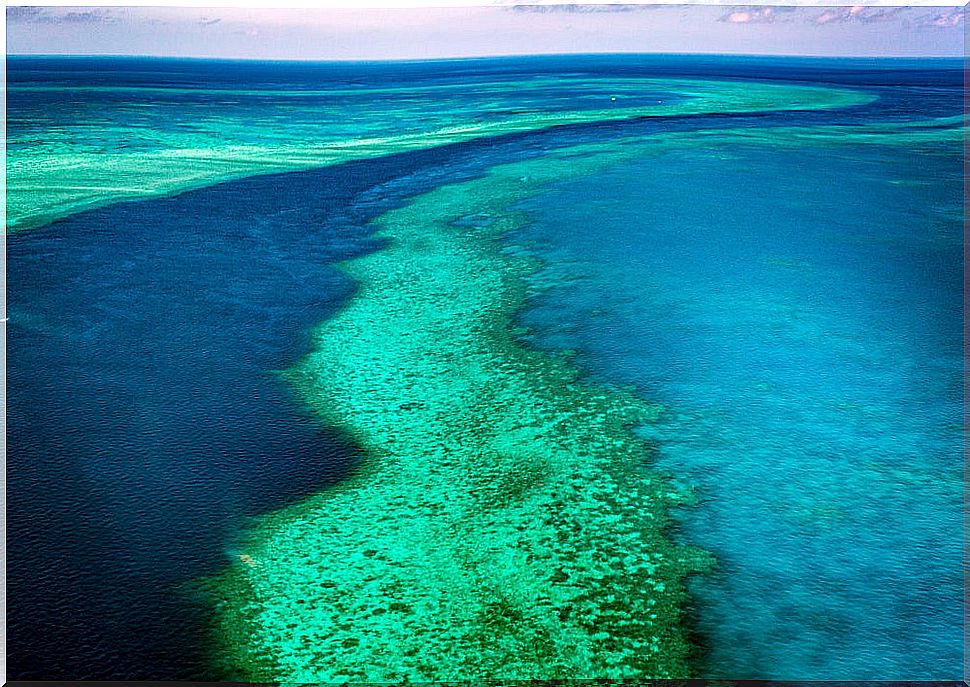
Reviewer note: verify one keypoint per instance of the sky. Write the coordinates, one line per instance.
(502, 28)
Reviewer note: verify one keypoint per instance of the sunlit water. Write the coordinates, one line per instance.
(797, 312)
(799, 315)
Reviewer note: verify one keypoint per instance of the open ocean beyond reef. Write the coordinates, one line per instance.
(786, 285)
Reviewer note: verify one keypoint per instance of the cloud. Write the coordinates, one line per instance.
(945, 20)
(38, 15)
(250, 32)
(23, 13)
(578, 9)
(858, 13)
(749, 15)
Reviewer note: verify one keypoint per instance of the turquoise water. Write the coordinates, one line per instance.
(795, 309)
(799, 315)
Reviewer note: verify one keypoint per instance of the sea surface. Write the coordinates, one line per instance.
(802, 327)
(794, 306)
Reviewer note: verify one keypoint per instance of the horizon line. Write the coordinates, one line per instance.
(352, 60)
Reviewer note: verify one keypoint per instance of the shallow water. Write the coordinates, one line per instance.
(799, 315)
(147, 420)
(86, 132)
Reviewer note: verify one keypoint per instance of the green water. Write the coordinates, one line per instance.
(128, 142)
(506, 521)
(505, 526)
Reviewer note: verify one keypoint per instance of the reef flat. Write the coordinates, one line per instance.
(130, 142)
(505, 524)
(683, 248)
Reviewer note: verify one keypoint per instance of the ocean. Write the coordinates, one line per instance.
(777, 270)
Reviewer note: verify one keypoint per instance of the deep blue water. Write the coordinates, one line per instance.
(188, 72)
(146, 419)
(146, 416)
(37, 110)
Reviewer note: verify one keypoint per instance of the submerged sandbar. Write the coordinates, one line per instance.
(505, 524)
(131, 142)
